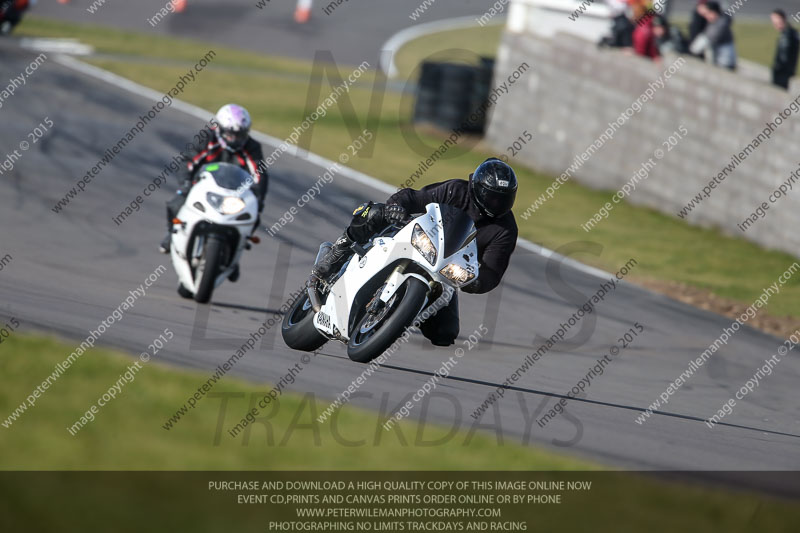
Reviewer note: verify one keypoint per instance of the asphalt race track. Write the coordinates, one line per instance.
(70, 270)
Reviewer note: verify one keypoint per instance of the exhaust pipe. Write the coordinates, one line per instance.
(313, 297)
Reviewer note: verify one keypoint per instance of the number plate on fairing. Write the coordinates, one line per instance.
(323, 322)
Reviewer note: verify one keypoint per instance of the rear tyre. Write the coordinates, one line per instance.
(298, 329)
(208, 269)
(372, 335)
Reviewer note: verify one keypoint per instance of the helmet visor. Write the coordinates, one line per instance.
(495, 203)
(235, 139)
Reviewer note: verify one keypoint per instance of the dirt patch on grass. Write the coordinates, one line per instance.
(780, 326)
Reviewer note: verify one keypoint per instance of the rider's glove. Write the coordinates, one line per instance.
(394, 214)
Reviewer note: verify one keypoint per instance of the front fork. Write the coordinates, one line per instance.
(197, 250)
(395, 279)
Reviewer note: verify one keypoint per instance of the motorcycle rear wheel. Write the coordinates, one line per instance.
(298, 329)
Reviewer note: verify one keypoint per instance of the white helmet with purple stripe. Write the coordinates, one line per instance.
(233, 126)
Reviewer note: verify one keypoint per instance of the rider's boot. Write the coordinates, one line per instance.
(165, 243)
(234, 276)
(332, 261)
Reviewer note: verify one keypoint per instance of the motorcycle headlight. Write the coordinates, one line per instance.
(457, 274)
(423, 244)
(227, 205)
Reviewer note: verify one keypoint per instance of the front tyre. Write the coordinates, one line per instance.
(208, 269)
(373, 334)
(298, 329)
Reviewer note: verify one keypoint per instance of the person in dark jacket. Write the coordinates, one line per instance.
(487, 197)
(785, 64)
(718, 36)
(229, 142)
(698, 22)
(622, 27)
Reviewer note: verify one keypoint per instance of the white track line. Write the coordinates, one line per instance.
(63, 46)
(399, 39)
(322, 162)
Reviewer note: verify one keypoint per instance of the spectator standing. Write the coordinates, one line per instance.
(644, 40)
(621, 26)
(718, 36)
(669, 39)
(784, 65)
(698, 23)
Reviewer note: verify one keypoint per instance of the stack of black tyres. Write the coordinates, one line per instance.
(449, 93)
(428, 92)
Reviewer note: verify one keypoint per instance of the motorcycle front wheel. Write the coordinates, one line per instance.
(208, 269)
(374, 333)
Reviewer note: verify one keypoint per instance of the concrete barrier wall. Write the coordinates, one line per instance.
(574, 91)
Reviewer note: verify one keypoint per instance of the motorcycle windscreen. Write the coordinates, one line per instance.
(230, 176)
(458, 227)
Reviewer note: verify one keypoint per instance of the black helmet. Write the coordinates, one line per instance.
(493, 186)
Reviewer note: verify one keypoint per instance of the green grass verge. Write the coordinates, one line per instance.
(756, 41)
(127, 433)
(482, 42)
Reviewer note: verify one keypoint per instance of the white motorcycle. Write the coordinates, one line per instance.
(212, 229)
(386, 285)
